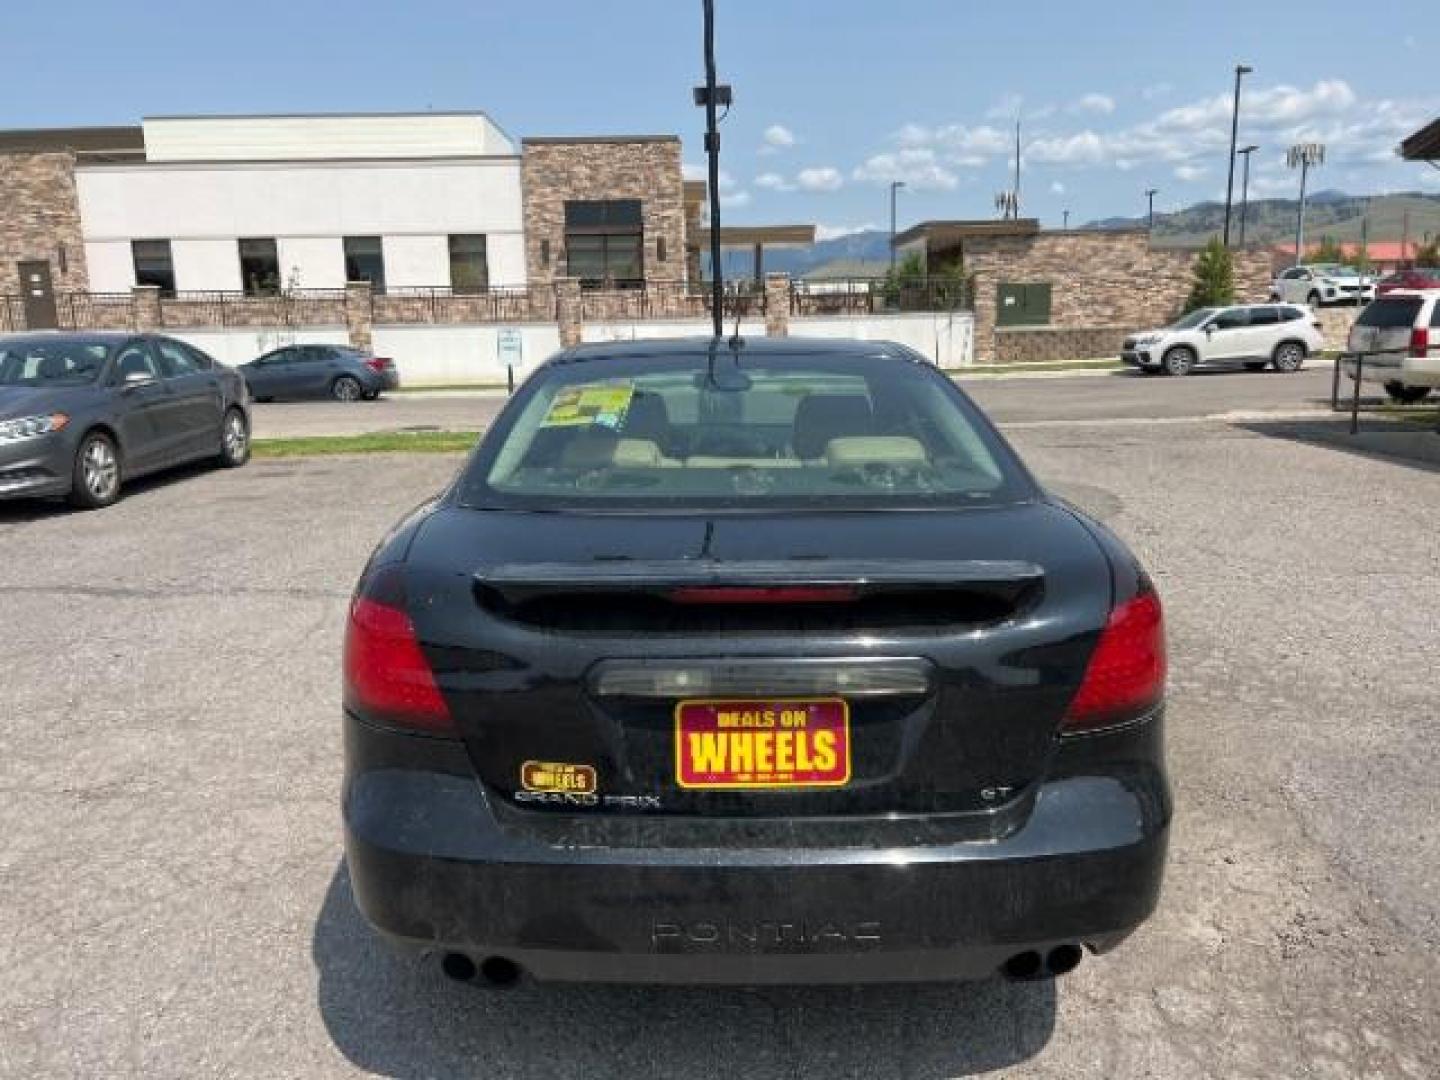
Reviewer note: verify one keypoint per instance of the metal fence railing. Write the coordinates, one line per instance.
(871, 296)
(95, 311)
(12, 314)
(292, 307)
(446, 305)
(1353, 364)
(670, 300)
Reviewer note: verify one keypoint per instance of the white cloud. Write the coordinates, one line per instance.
(778, 137)
(1190, 172)
(693, 172)
(1082, 148)
(1057, 188)
(702, 174)
(966, 147)
(834, 232)
(734, 199)
(918, 167)
(821, 178)
(773, 182)
(1103, 104)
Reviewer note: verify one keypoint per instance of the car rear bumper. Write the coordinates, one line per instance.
(1407, 370)
(433, 866)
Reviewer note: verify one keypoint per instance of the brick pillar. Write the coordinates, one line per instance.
(359, 314)
(777, 305)
(147, 307)
(567, 311)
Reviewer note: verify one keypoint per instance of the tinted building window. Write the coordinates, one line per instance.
(604, 242)
(153, 264)
(365, 260)
(259, 267)
(468, 270)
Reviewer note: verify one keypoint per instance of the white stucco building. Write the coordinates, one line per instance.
(428, 200)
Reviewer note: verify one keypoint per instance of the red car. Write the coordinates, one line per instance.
(1419, 277)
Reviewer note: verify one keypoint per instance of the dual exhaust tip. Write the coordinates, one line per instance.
(1031, 964)
(495, 971)
(502, 973)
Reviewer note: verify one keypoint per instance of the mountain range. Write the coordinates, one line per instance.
(1269, 222)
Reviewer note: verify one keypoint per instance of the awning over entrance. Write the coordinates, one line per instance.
(758, 238)
(1424, 145)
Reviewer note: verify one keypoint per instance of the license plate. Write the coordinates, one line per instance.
(788, 743)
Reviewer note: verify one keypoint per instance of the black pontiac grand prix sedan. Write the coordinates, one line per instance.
(752, 663)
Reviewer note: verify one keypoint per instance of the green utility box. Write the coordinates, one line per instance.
(1022, 305)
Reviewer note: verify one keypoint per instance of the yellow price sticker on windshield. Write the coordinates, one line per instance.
(604, 405)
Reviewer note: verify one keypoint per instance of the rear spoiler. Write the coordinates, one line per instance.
(518, 582)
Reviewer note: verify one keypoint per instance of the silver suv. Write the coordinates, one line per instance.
(1399, 335)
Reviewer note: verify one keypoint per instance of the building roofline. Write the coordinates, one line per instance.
(560, 140)
(42, 140)
(370, 115)
(957, 229)
(102, 161)
(1423, 145)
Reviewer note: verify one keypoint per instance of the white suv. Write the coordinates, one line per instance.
(1400, 337)
(1323, 283)
(1254, 335)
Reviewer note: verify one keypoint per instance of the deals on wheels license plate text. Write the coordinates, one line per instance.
(792, 743)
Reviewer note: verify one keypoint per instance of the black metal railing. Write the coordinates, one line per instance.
(12, 313)
(1354, 363)
(95, 311)
(669, 300)
(291, 307)
(871, 296)
(447, 305)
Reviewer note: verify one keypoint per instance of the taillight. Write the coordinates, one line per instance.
(386, 675)
(377, 364)
(1420, 341)
(1126, 674)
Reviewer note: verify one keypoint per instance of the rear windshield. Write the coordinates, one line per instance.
(50, 363)
(1391, 313)
(839, 432)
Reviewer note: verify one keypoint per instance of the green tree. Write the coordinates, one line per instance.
(911, 286)
(1327, 251)
(1428, 253)
(1214, 282)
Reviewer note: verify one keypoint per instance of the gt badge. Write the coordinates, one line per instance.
(558, 776)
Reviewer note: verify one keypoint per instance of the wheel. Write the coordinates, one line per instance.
(1406, 395)
(346, 388)
(1313, 300)
(1179, 361)
(371, 395)
(95, 479)
(1289, 356)
(234, 440)
(1255, 365)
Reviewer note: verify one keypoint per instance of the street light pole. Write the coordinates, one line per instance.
(1302, 156)
(1067, 219)
(895, 185)
(1245, 190)
(1150, 194)
(710, 95)
(1240, 70)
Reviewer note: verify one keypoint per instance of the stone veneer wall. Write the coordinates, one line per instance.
(1099, 279)
(553, 171)
(39, 213)
(1047, 344)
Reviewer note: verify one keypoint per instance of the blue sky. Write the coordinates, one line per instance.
(832, 100)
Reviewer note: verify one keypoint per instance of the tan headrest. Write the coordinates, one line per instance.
(851, 450)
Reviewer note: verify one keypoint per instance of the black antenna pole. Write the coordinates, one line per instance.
(712, 149)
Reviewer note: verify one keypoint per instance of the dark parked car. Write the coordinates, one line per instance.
(80, 414)
(751, 665)
(335, 371)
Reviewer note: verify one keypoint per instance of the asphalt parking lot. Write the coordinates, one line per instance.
(173, 901)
